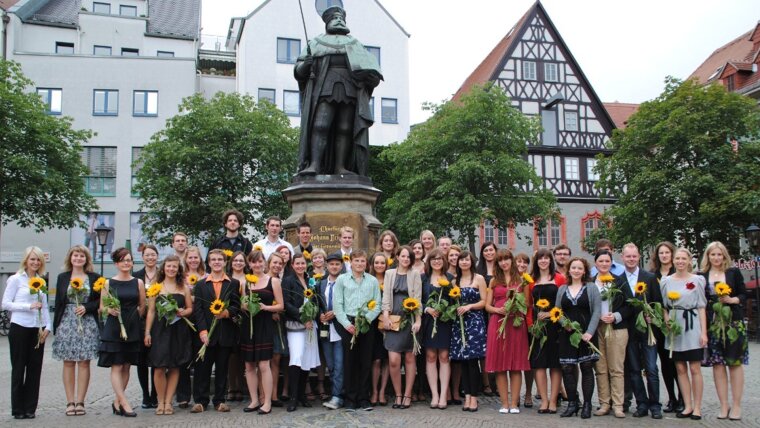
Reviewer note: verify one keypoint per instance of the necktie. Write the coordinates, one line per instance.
(329, 295)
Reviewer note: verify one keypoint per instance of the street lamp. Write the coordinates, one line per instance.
(752, 234)
(103, 231)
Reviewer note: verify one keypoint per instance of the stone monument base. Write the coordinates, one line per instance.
(329, 202)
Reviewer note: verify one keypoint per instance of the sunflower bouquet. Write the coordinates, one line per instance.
(111, 301)
(38, 287)
(456, 294)
(166, 305)
(361, 324)
(435, 301)
(308, 310)
(672, 328)
(574, 327)
(515, 306)
(412, 307)
(538, 329)
(77, 292)
(608, 293)
(647, 311)
(722, 325)
(251, 302)
(216, 308)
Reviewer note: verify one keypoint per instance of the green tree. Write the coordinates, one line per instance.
(42, 185)
(465, 164)
(227, 152)
(676, 174)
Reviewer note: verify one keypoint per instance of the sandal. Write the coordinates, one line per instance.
(160, 409)
(72, 411)
(527, 401)
(168, 409)
(79, 409)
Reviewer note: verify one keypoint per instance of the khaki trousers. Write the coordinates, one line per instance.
(610, 369)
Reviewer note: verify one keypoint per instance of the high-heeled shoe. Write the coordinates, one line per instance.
(586, 412)
(571, 410)
(395, 404)
(726, 416)
(127, 414)
(115, 410)
(406, 406)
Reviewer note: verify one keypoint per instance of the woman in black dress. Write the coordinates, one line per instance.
(380, 371)
(115, 351)
(485, 267)
(580, 301)
(145, 374)
(256, 348)
(436, 279)
(169, 339)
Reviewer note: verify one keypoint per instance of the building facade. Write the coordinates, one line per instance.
(535, 67)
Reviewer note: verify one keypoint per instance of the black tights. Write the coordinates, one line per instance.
(569, 377)
(471, 377)
(297, 383)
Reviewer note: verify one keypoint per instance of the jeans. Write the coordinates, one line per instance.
(334, 359)
(642, 356)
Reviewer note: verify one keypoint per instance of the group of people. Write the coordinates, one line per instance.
(455, 321)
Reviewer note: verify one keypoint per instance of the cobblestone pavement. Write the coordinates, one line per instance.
(52, 402)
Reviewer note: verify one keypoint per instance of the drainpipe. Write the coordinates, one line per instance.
(6, 20)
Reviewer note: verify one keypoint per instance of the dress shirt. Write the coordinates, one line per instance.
(633, 278)
(616, 269)
(349, 295)
(18, 301)
(329, 299)
(268, 247)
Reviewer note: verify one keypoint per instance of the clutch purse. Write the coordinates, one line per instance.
(395, 323)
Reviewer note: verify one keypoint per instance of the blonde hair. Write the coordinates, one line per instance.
(88, 267)
(201, 268)
(347, 229)
(688, 253)
(318, 252)
(705, 265)
(37, 251)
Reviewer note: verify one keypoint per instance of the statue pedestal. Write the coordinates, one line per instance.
(329, 202)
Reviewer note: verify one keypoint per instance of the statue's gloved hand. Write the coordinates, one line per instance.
(303, 68)
(370, 78)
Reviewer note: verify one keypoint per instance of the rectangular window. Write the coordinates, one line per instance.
(495, 234)
(145, 103)
(104, 8)
(552, 167)
(550, 72)
(130, 52)
(589, 226)
(165, 54)
(488, 231)
(136, 165)
(375, 51)
(105, 102)
(571, 169)
(127, 10)
(268, 95)
(389, 110)
(288, 50)
(537, 163)
(590, 173)
(291, 103)
(64, 48)
(372, 108)
(101, 50)
(101, 162)
(571, 121)
(550, 234)
(89, 238)
(52, 98)
(529, 70)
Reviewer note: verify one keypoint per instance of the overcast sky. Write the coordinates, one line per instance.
(625, 48)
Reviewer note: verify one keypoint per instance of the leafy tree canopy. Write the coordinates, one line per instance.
(42, 173)
(227, 152)
(465, 164)
(676, 172)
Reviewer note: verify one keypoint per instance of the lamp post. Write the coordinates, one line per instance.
(103, 231)
(752, 233)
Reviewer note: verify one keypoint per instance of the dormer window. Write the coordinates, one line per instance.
(104, 8)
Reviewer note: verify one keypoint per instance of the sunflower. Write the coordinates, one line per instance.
(306, 255)
(542, 304)
(228, 253)
(674, 295)
(381, 287)
(192, 279)
(455, 292)
(217, 306)
(274, 302)
(527, 278)
(555, 314)
(443, 282)
(252, 278)
(640, 288)
(606, 278)
(346, 258)
(389, 261)
(318, 276)
(257, 248)
(411, 304)
(76, 284)
(153, 290)
(722, 289)
(99, 284)
(36, 283)
(371, 305)
(308, 293)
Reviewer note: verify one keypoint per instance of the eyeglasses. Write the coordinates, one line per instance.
(436, 259)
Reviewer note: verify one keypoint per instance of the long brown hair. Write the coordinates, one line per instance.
(499, 275)
(180, 271)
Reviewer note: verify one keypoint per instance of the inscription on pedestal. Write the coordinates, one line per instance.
(325, 231)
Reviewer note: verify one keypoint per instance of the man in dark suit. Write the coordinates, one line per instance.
(217, 285)
(640, 354)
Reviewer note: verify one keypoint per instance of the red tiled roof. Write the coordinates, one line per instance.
(6, 4)
(620, 112)
(487, 68)
(736, 50)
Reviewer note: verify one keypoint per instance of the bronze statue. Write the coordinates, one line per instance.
(336, 76)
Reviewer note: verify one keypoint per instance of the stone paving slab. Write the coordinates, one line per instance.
(52, 405)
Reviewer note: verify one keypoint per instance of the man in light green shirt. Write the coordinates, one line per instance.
(353, 290)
